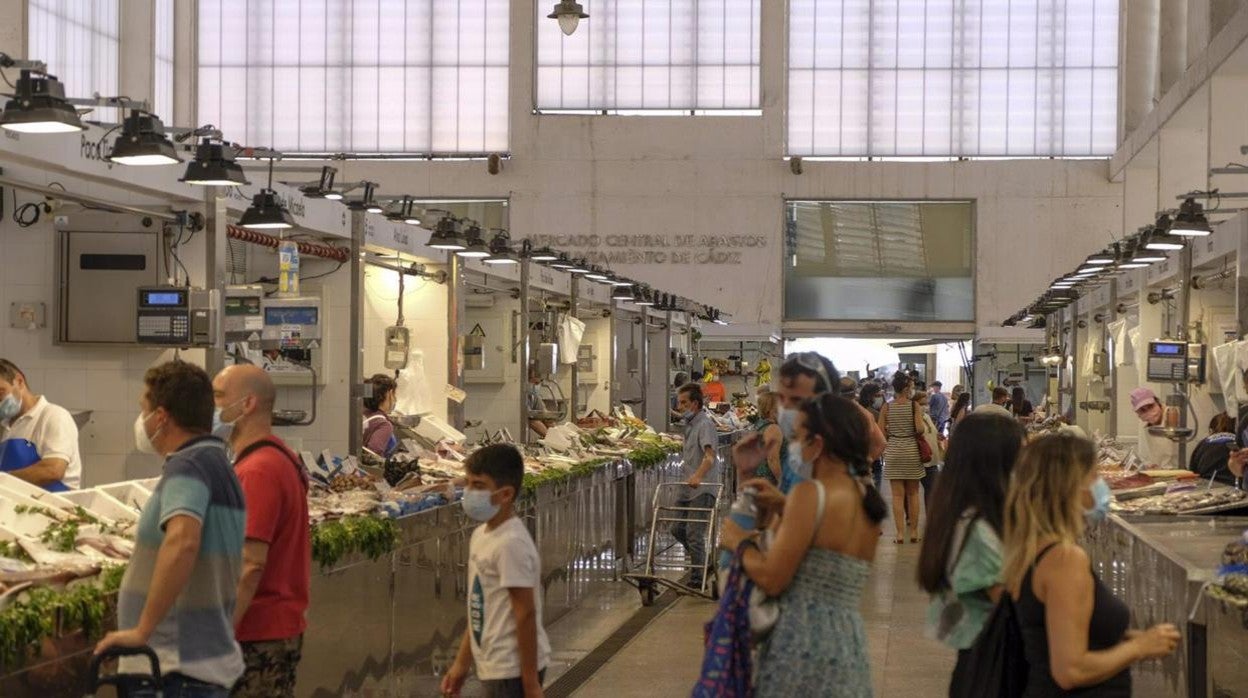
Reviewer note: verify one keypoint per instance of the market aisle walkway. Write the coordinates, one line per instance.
(664, 659)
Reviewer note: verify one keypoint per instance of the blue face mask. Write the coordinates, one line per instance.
(688, 416)
(799, 465)
(221, 428)
(477, 505)
(787, 418)
(1101, 497)
(9, 407)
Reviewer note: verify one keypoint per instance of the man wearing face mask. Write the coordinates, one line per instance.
(39, 437)
(698, 468)
(277, 555)
(179, 590)
(802, 376)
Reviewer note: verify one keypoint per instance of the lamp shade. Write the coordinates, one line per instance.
(266, 213)
(143, 142)
(39, 106)
(214, 166)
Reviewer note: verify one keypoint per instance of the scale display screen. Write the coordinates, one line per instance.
(291, 316)
(1167, 361)
(164, 299)
(1163, 349)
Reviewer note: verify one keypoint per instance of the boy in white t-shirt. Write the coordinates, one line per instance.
(505, 636)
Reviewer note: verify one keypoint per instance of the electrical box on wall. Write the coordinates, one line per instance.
(28, 315)
(102, 259)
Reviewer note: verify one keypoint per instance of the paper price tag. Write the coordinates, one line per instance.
(455, 394)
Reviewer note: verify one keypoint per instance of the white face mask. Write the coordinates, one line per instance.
(141, 440)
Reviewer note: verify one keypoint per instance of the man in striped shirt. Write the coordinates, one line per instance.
(178, 593)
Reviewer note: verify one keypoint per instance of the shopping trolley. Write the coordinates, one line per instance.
(125, 684)
(648, 582)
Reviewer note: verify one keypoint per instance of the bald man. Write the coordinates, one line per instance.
(273, 591)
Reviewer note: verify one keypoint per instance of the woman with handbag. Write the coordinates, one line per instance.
(935, 445)
(820, 559)
(903, 456)
(1076, 635)
(960, 563)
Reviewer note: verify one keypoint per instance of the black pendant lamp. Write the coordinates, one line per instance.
(38, 106)
(214, 166)
(143, 142)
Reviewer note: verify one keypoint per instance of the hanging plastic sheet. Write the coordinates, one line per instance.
(1087, 363)
(571, 329)
(1118, 336)
(1223, 375)
(412, 395)
(1132, 346)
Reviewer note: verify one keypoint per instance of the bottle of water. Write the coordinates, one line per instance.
(288, 268)
(744, 513)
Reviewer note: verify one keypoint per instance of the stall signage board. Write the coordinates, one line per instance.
(383, 235)
(1162, 271)
(550, 280)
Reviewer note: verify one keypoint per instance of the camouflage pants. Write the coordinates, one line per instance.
(271, 667)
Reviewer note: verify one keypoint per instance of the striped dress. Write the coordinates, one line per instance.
(901, 457)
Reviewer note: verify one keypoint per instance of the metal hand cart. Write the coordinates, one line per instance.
(648, 582)
(125, 685)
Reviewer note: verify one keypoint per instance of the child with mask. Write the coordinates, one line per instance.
(505, 637)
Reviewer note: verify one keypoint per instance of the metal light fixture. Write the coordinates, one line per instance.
(620, 281)
(1164, 241)
(475, 247)
(562, 262)
(368, 201)
(579, 266)
(500, 249)
(266, 211)
(569, 13)
(1190, 220)
(214, 166)
(324, 187)
(1100, 259)
(597, 274)
(543, 254)
(404, 211)
(143, 142)
(38, 105)
(446, 235)
(622, 293)
(644, 297)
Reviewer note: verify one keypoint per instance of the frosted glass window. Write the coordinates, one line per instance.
(366, 76)
(162, 74)
(963, 78)
(79, 40)
(651, 55)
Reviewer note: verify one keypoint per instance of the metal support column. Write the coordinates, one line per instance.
(355, 340)
(645, 365)
(667, 380)
(525, 350)
(1111, 389)
(1075, 350)
(454, 335)
(574, 403)
(614, 356)
(1184, 300)
(215, 252)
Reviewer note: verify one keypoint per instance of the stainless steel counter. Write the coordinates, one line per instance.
(1158, 565)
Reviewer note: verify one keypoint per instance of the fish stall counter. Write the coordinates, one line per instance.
(396, 587)
(1159, 565)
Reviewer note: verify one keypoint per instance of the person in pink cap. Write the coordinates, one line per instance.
(1155, 451)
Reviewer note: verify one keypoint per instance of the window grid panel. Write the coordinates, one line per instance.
(79, 40)
(162, 73)
(651, 55)
(956, 78)
(367, 76)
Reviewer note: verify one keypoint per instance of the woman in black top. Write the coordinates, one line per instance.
(1076, 634)
(1020, 405)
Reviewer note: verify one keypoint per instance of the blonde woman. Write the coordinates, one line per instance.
(1076, 634)
(901, 423)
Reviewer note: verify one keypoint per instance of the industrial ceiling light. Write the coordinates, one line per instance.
(500, 249)
(405, 211)
(143, 142)
(214, 166)
(1100, 259)
(622, 293)
(644, 297)
(597, 274)
(1164, 241)
(38, 106)
(476, 248)
(579, 266)
(446, 235)
(544, 255)
(368, 201)
(1092, 270)
(1190, 220)
(266, 211)
(561, 262)
(569, 13)
(324, 187)
(718, 318)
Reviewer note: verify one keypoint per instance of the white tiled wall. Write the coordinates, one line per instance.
(424, 310)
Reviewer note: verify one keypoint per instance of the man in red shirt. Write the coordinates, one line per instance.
(277, 555)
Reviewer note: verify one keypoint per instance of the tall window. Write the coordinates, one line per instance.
(162, 74)
(650, 55)
(78, 39)
(883, 260)
(368, 76)
(953, 77)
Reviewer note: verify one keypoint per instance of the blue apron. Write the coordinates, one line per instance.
(16, 454)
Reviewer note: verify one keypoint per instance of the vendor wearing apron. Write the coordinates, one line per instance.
(1153, 450)
(378, 431)
(38, 440)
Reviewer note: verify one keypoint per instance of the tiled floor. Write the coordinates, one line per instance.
(664, 659)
